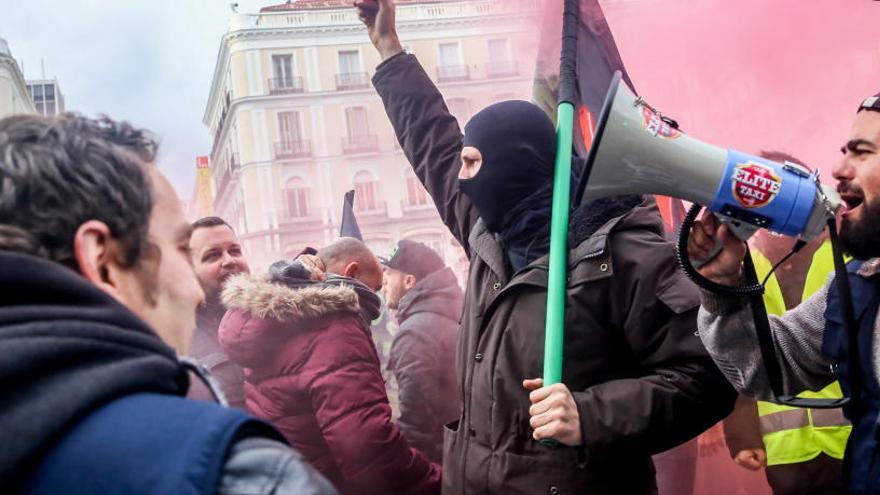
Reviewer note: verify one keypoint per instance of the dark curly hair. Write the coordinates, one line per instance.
(57, 173)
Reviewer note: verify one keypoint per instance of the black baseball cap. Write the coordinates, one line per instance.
(414, 258)
(871, 103)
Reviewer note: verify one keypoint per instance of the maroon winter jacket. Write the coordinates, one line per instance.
(312, 371)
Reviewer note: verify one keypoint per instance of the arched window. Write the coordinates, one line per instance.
(296, 194)
(364, 191)
(415, 192)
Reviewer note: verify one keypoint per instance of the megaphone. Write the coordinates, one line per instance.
(636, 150)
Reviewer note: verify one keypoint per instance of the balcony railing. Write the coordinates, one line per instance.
(293, 149)
(446, 73)
(501, 68)
(352, 80)
(360, 143)
(285, 85)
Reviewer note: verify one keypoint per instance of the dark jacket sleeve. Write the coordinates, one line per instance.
(430, 138)
(413, 365)
(675, 390)
(230, 376)
(263, 466)
(352, 411)
(742, 430)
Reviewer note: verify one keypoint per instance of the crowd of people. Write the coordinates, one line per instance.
(141, 355)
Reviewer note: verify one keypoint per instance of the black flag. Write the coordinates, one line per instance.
(597, 59)
(349, 227)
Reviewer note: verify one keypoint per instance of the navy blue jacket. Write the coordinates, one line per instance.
(862, 459)
(145, 443)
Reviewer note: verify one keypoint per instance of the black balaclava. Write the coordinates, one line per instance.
(518, 144)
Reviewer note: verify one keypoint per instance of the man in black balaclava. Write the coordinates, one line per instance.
(513, 189)
(636, 380)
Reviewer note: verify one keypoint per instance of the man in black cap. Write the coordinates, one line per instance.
(811, 340)
(636, 380)
(428, 300)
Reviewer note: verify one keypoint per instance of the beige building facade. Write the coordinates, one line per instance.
(296, 122)
(14, 97)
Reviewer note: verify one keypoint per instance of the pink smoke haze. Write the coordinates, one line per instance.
(754, 75)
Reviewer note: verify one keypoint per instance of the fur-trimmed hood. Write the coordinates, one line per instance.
(263, 316)
(263, 299)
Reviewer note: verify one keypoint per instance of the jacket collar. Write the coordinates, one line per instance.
(258, 296)
(437, 293)
(490, 248)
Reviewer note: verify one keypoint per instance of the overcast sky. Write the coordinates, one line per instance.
(149, 62)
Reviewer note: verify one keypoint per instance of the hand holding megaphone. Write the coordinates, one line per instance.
(716, 250)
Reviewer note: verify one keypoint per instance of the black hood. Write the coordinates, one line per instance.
(68, 348)
(437, 293)
(517, 141)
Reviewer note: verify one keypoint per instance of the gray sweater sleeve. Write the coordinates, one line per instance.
(726, 327)
(262, 466)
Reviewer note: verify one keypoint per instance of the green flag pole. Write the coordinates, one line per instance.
(556, 282)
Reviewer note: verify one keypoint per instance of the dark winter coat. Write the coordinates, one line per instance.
(206, 350)
(640, 377)
(423, 360)
(73, 356)
(312, 371)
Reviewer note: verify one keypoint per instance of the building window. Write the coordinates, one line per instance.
(415, 192)
(282, 66)
(349, 62)
(296, 193)
(364, 191)
(358, 138)
(460, 108)
(500, 62)
(350, 75)
(283, 79)
(290, 137)
(356, 121)
(38, 97)
(450, 67)
(449, 54)
(498, 50)
(288, 127)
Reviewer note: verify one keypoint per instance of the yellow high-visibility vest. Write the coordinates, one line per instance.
(792, 435)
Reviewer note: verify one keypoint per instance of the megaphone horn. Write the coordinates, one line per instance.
(637, 150)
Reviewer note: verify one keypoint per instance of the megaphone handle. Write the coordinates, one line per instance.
(740, 229)
(712, 254)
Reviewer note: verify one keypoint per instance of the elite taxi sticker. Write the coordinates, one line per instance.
(658, 127)
(754, 185)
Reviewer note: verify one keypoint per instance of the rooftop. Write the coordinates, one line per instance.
(294, 5)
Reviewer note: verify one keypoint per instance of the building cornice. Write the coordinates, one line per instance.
(330, 31)
(18, 78)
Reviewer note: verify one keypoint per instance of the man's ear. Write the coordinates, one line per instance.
(351, 269)
(409, 281)
(96, 253)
